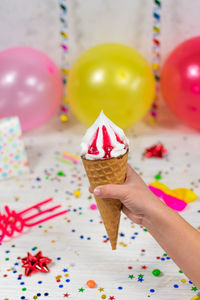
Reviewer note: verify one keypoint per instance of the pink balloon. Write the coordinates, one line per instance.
(180, 82)
(30, 86)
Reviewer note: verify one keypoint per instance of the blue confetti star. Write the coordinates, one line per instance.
(140, 279)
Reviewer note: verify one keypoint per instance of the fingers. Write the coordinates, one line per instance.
(117, 191)
(131, 175)
(127, 212)
(113, 191)
(138, 219)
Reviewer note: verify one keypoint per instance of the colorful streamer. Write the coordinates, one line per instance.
(64, 57)
(156, 55)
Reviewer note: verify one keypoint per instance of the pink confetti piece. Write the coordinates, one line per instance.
(93, 206)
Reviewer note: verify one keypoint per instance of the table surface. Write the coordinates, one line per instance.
(76, 242)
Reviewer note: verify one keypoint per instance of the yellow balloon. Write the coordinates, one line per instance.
(112, 77)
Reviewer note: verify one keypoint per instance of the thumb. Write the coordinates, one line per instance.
(113, 191)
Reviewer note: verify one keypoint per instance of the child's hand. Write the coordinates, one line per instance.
(170, 230)
(137, 199)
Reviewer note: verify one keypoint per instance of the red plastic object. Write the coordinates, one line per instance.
(155, 151)
(12, 222)
(35, 263)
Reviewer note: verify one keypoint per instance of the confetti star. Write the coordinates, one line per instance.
(140, 279)
(194, 288)
(35, 263)
(111, 298)
(101, 289)
(131, 276)
(81, 290)
(144, 267)
(66, 295)
(140, 276)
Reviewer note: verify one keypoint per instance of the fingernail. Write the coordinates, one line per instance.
(97, 191)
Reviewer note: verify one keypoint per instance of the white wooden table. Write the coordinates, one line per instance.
(76, 241)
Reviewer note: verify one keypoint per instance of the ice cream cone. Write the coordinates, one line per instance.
(108, 171)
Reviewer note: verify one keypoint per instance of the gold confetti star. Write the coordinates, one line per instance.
(77, 193)
(101, 289)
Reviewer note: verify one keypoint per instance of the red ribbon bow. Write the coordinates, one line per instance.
(35, 263)
(155, 151)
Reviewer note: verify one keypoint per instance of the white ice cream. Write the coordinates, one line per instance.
(118, 143)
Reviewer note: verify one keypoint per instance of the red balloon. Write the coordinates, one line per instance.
(180, 82)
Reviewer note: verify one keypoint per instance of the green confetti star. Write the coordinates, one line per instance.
(81, 290)
(158, 176)
(194, 288)
(140, 276)
(131, 276)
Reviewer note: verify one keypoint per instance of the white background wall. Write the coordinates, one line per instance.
(36, 23)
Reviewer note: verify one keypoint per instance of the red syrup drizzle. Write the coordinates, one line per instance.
(93, 147)
(107, 147)
(119, 140)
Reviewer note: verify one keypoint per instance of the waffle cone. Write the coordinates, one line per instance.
(108, 171)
